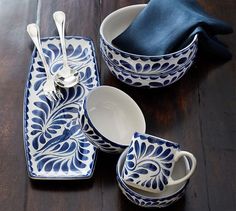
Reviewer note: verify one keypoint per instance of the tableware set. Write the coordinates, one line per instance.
(55, 146)
(68, 116)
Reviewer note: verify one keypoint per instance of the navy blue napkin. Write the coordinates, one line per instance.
(165, 26)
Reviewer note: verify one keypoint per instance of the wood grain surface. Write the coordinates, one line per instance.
(199, 112)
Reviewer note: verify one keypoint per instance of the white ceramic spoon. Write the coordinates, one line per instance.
(66, 77)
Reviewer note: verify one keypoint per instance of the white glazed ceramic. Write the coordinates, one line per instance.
(141, 70)
(150, 162)
(154, 200)
(110, 118)
(55, 146)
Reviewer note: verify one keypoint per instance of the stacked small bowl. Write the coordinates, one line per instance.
(141, 70)
(154, 200)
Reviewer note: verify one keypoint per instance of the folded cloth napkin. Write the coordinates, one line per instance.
(165, 26)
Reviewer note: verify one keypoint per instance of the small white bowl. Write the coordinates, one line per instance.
(154, 200)
(110, 117)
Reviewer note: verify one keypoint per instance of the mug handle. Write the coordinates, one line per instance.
(180, 154)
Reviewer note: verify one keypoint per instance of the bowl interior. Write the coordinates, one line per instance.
(182, 167)
(114, 114)
(115, 23)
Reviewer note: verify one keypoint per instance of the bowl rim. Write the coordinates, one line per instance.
(93, 126)
(120, 180)
(195, 38)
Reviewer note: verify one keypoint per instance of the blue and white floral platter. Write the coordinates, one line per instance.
(55, 146)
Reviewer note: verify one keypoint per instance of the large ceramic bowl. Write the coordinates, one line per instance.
(109, 119)
(166, 69)
(154, 200)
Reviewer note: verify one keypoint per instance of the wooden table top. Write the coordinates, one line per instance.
(199, 112)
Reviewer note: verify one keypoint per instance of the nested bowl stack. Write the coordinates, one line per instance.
(154, 200)
(141, 70)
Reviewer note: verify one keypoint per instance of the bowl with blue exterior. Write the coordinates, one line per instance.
(141, 70)
(109, 117)
(154, 200)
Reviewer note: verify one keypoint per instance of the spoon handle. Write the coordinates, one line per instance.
(33, 31)
(59, 18)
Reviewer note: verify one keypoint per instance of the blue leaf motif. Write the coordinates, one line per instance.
(34, 132)
(146, 67)
(77, 51)
(143, 149)
(166, 172)
(130, 149)
(134, 175)
(130, 165)
(126, 64)
(64, 116)
(130, 157)
(156, 66)
(49, 165)
(154, 184)
(136, 146)
(157, 151)
(150, 166)
(148, 183)
(54, 49)
(35, 144)
(165, 153)
(141, 171)
(55, 134)
(167, 165)
(138, 67)
(41, 70)
(160, 184)
(65, 167)
(48, 54)
(56, 166)
(84, 53)
(38, 84)
(41, 75)
(149, 150)
(42, 139)
(43, 107)
(169, 158)
(142, 137)
(36, 126)
(164, 179)
(151, 156)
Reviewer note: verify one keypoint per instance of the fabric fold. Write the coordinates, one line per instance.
(165, 26)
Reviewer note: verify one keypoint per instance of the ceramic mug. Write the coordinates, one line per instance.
(109, 119)
(150, 162)
(154, 200)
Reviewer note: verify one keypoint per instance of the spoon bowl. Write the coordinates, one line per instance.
(67, 82)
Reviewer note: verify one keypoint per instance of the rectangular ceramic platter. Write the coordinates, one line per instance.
(55, 146)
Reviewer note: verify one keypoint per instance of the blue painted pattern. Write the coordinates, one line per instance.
(149, 162)
(55, 146)
(95, 136)
(157, 201)
(150, 72)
